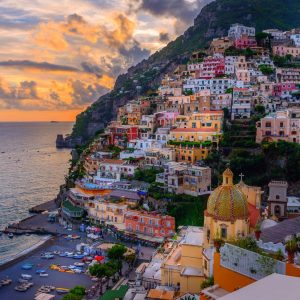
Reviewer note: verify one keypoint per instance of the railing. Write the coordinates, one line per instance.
(249, 263)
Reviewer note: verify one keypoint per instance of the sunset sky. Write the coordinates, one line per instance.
(57, 57)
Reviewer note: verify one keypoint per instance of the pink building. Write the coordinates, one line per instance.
(150, 224)
(244, 42)
(281, 89)
(211, 67)
(282, 125)
(166, 118)
(282, 50)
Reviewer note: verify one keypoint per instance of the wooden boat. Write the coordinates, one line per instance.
(62, 290)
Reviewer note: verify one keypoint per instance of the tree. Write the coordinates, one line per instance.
(266, 70)
(75, 293)
(116, 253)
(101, 271)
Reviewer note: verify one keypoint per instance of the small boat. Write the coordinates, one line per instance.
(78, 256)
(62, 290)
(47, 256)
(79, 264)
(20, 288)
(20, 280)
(27, 266)
(44, 275)
(39, 271)
(26, 276)
(10, 235)
(5, 281)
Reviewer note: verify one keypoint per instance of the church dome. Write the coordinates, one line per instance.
(227, 202)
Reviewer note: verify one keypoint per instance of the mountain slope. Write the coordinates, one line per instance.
(213, 21)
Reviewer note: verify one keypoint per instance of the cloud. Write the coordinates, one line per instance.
(164, 37)
(184, 11)
(23, 64)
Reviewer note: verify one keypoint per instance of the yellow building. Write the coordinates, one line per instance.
(182, 268)
(191, 154)
(195, 134)
(101, 211)
(227, 214)
(207, 119)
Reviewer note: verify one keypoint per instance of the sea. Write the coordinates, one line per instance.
(31, 171)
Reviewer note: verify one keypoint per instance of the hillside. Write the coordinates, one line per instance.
(213, 21)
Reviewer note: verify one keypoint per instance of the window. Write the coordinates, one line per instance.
(193, 125)
(223, 232)
(277, 197)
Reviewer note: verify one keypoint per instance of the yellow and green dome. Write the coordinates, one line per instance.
(227, 202)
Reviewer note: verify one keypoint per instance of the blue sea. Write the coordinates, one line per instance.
(31, 171)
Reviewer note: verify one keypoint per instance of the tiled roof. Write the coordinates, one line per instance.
(113, 161)
(161, 294)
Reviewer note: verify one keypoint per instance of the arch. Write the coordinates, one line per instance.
(277, 210)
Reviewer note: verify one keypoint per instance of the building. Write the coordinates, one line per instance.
(150, 224)
(112, 170)
(242, 103)
(118, 134)
(293, 206)
(197, 180)
(220, 101)
(281, 125)
(227, 214)
(296, 39)
(277, 200)
(182, 268)
(276, 34)
(288, 75)
(237, 30)
(190, 154)
(195, 134)
(245, 41)
(102, 211)
(219, 45)
(282, 50)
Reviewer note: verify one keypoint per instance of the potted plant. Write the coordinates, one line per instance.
(291, 248)
(279, 255)
(218, 242)
(257, 232)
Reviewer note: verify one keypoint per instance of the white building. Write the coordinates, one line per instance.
(237, 30)
(293, 204)
(230, 62)
(276, 34)
(215, 85)
(296, 39)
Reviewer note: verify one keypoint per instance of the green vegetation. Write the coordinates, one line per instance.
(266, 70)
(207, 283)
(76, 293)
(237, 52)
(190, 144)
(187, 210)
(116, 254)
(147, 175)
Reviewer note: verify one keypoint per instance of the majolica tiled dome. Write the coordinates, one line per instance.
(227, 202)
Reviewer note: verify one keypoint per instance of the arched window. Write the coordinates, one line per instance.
(277, 210)
(223, 231)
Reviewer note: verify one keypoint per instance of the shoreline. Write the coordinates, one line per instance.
(44, 243)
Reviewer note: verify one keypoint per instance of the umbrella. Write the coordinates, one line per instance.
(99, 257)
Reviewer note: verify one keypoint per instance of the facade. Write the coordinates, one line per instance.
(281, 125)
(118, 134)
(277, 200)
(296, 39)
(102, 211)
(282, 50)
(288, 75)
(237, 30)
(244, 42)
(151, 224)
(220, 101)
(197, 180)
(191, 154)
(219, 45)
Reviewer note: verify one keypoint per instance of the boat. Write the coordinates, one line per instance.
(62, 290)
(27, 266)
(44, 275)
(79, 264)
(20, 288)
(26, 276)
(78, 256)
(5, 282)
(39, 271)
(47, 256)
(10, 235)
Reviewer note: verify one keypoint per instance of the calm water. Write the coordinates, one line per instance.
(31, 170)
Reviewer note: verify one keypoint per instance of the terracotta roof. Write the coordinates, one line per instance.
(113, 161)
(161, 294)
(193, 130)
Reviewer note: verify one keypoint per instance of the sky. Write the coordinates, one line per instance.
(58, 57)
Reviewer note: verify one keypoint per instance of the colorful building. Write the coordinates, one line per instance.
(150, 224)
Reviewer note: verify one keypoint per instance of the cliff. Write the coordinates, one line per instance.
(213, 21)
